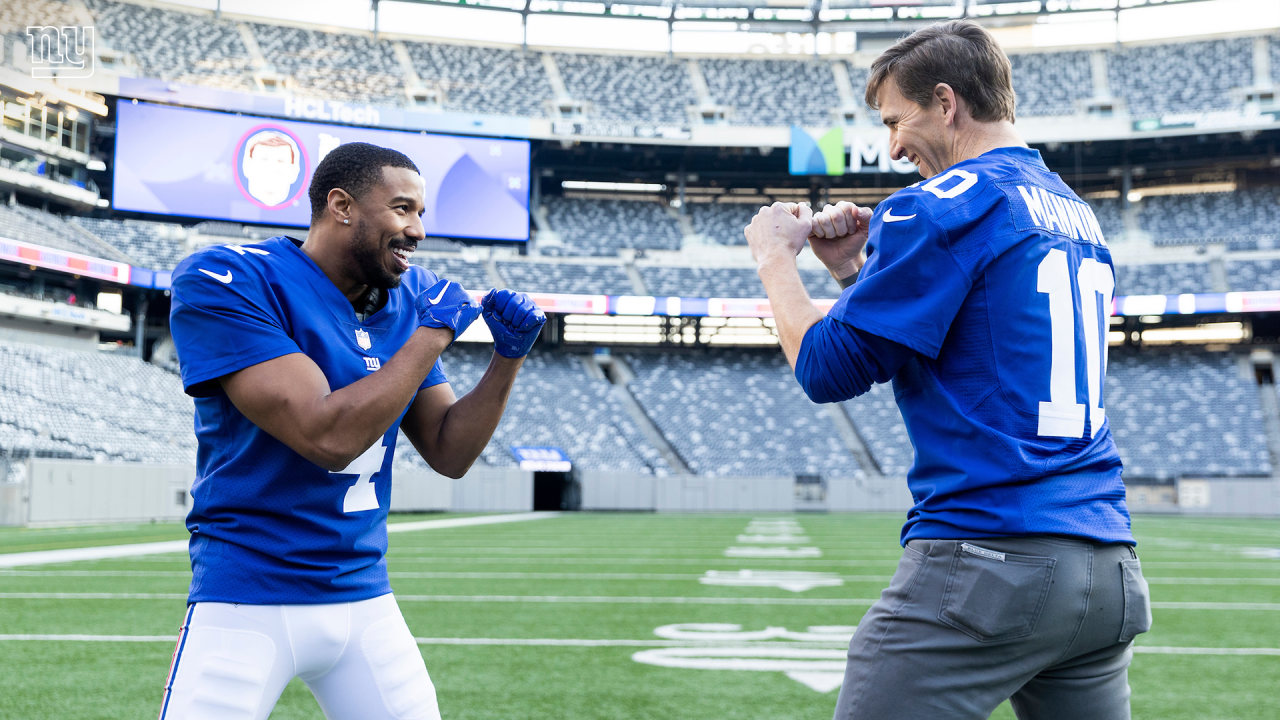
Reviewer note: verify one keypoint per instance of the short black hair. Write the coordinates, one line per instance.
(355, 167)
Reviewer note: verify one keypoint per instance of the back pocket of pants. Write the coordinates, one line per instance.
(1137, 600)
(993, 596)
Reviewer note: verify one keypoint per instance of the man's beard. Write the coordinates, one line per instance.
(370, 259)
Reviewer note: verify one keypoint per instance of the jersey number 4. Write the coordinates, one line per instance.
(363, 494)
(1062, 416)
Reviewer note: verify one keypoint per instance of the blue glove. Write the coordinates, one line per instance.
(446, 305)
(514, 320)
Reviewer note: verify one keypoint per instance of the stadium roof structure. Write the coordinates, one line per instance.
(807, 16)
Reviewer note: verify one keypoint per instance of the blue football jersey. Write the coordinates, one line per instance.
(267, 525)
(999, 278)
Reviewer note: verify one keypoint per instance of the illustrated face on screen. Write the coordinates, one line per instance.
(271, 165)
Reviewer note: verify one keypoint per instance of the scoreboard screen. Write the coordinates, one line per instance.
(226, 166)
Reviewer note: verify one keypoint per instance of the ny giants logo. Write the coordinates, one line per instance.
(61, 52)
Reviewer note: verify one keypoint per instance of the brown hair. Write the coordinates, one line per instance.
(961, 54)
(272, 140)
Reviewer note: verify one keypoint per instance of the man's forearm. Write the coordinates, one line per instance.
(793, 310)
(470, 422)
(290, 398)
(361, 412)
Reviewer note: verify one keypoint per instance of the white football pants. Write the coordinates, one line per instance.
(358, 658)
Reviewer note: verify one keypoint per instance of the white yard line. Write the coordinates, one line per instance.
(105, 552)
(653, 577)
(657, 577)
(588, 599)
(578, 642)
(1214, 606)
(608, 600)
(1156, 650)
(397, 556)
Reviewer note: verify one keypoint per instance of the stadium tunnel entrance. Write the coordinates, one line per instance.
(556, 491)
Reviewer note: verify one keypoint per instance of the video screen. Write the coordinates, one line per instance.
(223, 166)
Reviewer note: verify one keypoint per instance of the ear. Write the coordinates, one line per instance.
(947, 101)
(340, 205)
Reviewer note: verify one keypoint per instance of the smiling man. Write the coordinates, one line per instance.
(983, 294)
(305, 359)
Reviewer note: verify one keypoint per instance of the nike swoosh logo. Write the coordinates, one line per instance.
(890, 217)
(436, 299)
(220, 278)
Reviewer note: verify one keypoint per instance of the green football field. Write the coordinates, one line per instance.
(605, 616)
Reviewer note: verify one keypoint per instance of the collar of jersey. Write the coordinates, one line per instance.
(1021, 153)
(336, 299)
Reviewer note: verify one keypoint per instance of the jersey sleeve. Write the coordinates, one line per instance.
(912, 285)
(435, 377)
(220, 327)
(415, 280)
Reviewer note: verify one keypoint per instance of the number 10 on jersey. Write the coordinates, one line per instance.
(1062, 416)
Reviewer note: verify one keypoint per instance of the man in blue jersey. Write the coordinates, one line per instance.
(306, 359)
(984, 294)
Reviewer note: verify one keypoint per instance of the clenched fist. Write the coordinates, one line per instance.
(839, 237)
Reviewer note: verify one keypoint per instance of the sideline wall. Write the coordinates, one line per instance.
(689, 493)
(81, 491)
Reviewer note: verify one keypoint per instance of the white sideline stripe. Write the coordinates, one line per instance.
(568, 642)
(468, 521)
(95, 638)
(104, 552)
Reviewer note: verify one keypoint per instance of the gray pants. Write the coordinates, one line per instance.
(1044, 621)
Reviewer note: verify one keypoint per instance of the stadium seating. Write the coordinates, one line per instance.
(1181, 77)
(722, 222)
(602, 227)
(146, 242)
(725, 412)
(50, 293)
(192, 47)
(1185, 414)
(1107, 210)
(880, 425)
(1163, 279)
(702, 282)
(1249, 275)
(554, 403)
(28, 224)
(773, 92)
(483, 80)
(1194, 219)
(738, 413)
(471, 275)
(651, 90)
(1051, 83)
(185, 47)
(566, 278)
(66, 403)
(337, 66)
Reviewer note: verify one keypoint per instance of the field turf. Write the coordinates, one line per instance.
(541, 619)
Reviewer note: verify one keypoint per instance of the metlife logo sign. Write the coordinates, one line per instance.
(65, 52)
